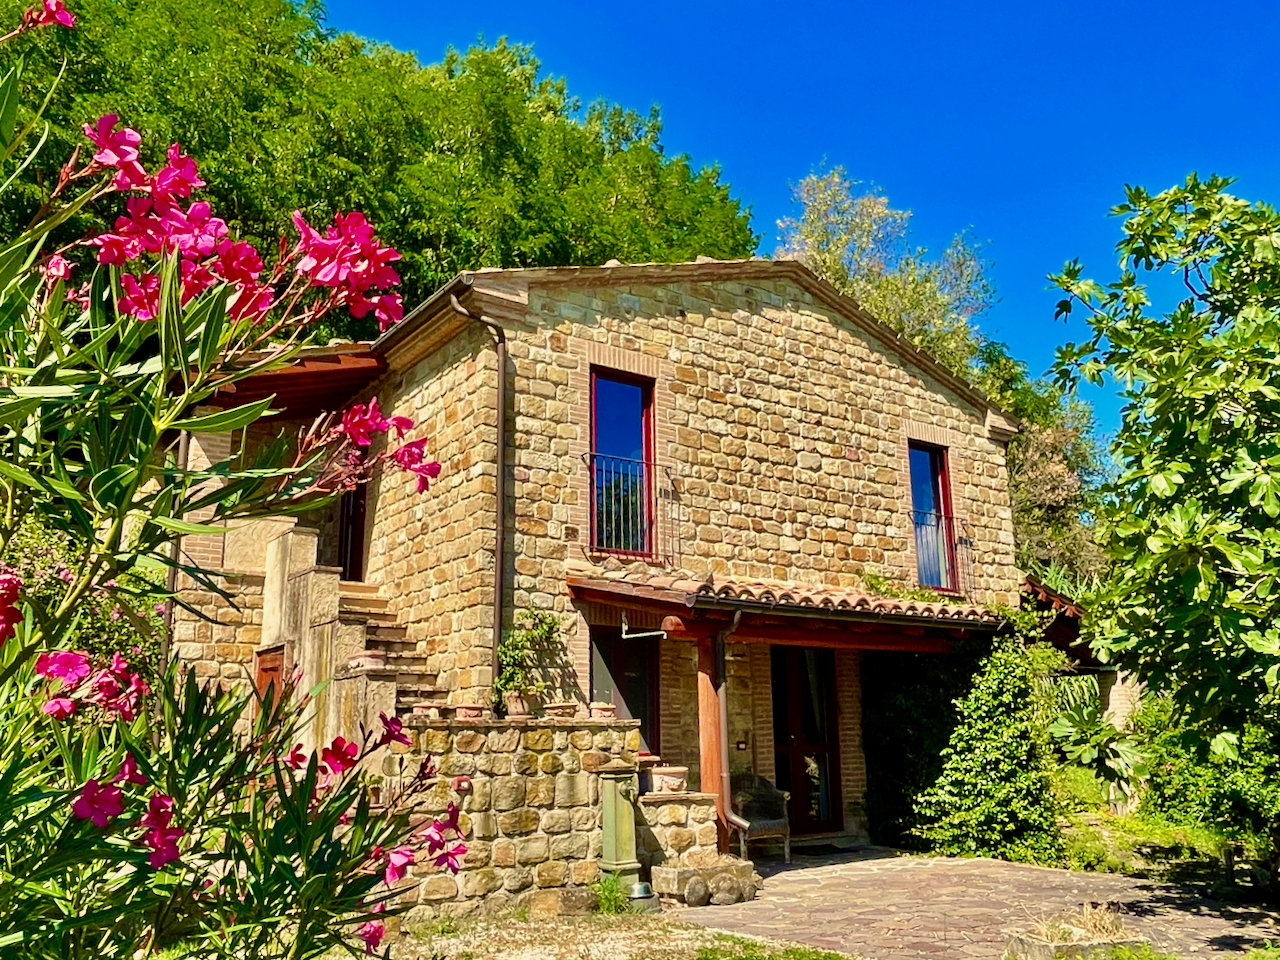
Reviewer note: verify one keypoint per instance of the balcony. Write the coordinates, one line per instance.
(632, 506)
(944, 552)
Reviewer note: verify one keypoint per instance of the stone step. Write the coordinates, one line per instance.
(358, 588)
(389, 633)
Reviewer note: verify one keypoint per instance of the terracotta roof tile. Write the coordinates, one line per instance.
(777, 596)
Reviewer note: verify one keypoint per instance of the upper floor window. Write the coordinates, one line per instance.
(934, 523)
(621, 463)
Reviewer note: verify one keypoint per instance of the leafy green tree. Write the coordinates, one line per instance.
(1193, 601)
(478, 160)
(863, 247)
(994, 796)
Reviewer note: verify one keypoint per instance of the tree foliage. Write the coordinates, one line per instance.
(1193, 601)
(994, 796)
(863, 247)
(478, 160)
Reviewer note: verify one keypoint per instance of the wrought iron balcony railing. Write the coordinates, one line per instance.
(944, 552)
(631, 506)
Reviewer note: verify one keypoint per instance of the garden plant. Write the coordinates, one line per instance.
(147, 812)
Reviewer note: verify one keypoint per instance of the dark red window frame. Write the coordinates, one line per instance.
(940, 456)
(646, 385)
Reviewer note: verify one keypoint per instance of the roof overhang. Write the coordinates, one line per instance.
(820, 617)
(315, 381)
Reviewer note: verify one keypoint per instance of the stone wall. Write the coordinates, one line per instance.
(432, 553)
(529, 792)
(676, 829)
(784, 424)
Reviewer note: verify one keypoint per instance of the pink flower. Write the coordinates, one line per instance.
(68, 667)
(449, 858)
(393, 731)
(433, 836)
(361, 423)
(425, 472)
(141, 299)
(372, 933)
(118, 689)
(179, 179)
(398, 862)
(115, 147)
(389, 309)
(130, 176)
(161, 836)
(98, 803)
(58, 268)
(10, 615)
(296, 760)
(251, 300)
(129, 772)
(55, 11)
(340, 755)
(349, 259)
(59, 707)
(238, 262)
(65, 574)
(450, 821)
(410, 454)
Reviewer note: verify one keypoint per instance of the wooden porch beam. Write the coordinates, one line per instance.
(710, 748)
(679, 628)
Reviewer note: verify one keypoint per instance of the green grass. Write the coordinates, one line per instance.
(1142, 846)
(735, 948)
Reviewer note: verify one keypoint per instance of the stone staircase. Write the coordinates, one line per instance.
(382, 651)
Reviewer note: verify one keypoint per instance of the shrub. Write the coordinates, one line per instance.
(994, 796)
(530, 655)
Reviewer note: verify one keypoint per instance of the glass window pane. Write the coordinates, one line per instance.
(619, 419)
(924, 481)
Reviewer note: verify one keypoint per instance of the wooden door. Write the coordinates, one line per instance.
(806, 740)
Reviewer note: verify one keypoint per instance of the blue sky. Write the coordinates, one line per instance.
(1020, 121)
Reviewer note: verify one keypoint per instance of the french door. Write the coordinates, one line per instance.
(806, 741)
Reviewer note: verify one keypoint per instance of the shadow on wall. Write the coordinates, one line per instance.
(908, 714)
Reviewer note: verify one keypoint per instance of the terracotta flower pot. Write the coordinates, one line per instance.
(669, 779)
(469, 711)
(520, 704)
(603, 711)
(563, 709)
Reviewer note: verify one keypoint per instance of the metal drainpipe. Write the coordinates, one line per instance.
(722, 695)
(175, 549)
(500, 484)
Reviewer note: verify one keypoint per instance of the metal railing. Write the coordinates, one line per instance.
(944, 552)
(630, 506)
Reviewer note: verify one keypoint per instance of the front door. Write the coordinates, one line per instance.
(805, 737)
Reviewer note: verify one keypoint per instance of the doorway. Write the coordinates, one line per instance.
(624, 672)
(806, 742)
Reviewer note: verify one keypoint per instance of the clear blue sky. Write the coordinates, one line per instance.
(1019, 120)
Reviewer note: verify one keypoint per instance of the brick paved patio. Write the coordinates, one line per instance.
(886, 907)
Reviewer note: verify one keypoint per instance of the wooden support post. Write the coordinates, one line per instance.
(710, 748)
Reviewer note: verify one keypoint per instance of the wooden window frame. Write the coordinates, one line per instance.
(941, 456)
(647, 386)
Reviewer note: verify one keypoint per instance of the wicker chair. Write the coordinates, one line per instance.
(760, 812)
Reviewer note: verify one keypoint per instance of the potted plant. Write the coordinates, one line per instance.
(522, 655)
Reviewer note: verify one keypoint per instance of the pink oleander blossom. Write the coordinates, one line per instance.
(129, 772)
(141, 297)
(179, 179)
(450, 859)
(118, 689)
(340, 755)
(398, 863)
(98, 803)
(57, 268)
(115, 147)
(161, 836)
(433, 836)
(360, 424)
(59, 707)
(372, 933)
(297, 759)
(393, 731)
(68, 667)
(348, 259)
(54, 12)
(10, 615)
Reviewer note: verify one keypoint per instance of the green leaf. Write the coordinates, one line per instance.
(225, 420)
(9, 93)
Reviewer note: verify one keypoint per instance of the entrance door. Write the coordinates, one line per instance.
(804, 733)
(625, 673)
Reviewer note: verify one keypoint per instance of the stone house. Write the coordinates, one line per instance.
(725, 478)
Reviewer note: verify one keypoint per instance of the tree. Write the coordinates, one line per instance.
(1192, 604)
(862, 246)
(478, 160)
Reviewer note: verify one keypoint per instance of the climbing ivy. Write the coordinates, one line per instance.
(994, 796)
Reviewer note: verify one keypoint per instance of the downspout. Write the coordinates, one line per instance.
(722, 694)
(500, 483)
(175, 551)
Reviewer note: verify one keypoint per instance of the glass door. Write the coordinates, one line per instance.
(805, 737)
